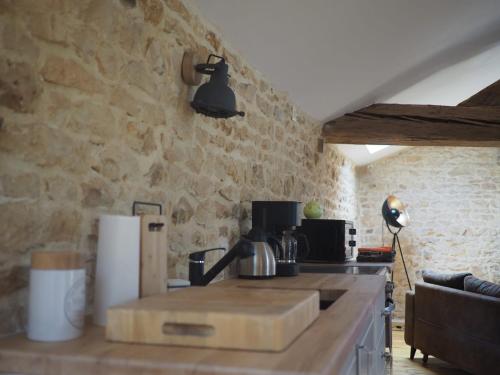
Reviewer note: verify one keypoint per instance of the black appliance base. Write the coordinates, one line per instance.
(287, 269)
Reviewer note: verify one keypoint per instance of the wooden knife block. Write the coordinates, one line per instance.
(153, 269)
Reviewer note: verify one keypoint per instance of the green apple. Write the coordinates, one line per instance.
(313, 210)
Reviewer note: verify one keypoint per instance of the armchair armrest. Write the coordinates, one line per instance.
(409, 317)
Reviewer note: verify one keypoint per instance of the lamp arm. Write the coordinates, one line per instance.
(209, 68)
(223, 60)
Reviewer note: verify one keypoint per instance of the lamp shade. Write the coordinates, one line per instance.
(394, 212)
(215, 98)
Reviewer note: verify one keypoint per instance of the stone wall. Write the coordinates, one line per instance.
(453, 197)
(94, 115)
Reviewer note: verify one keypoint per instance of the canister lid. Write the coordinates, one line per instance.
(56, 260)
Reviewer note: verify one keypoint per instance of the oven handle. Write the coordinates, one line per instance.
(388, 310)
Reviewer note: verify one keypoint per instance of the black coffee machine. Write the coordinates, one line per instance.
(280, 219)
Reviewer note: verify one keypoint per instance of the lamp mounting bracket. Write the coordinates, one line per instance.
(193, 67)
(209, 68)
(189, 73)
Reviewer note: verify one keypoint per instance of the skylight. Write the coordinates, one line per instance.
(375, 148)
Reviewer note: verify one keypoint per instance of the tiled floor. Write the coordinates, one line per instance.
(401, 363)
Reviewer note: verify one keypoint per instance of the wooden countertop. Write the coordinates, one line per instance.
(321, 349)
(355, 263)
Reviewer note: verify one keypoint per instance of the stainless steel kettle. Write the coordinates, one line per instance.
(262, 262)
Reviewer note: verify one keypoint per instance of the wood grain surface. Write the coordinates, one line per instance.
(235, 318)
(417, 125)
(153, 274)
(320, 349)
(489, 96)
(56, 260)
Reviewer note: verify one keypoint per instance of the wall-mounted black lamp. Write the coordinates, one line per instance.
(214, 98)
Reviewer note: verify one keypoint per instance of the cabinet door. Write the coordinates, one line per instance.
(378, 316)
(363, 362)
(351, 367)
(378, 365)
(359, 360)
(364, 351)
(366, 357)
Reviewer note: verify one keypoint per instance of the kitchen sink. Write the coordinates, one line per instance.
(325, 303)
(328, 297)
(339, 268)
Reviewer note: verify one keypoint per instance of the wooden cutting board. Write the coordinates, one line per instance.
(153, 255)
(236, 318)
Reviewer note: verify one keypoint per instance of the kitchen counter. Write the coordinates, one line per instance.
(320, 349)
(349, 267)
(355, 263)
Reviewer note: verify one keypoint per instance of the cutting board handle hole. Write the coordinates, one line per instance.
(183, 329)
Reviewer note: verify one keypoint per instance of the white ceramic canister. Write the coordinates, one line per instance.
(56, 308)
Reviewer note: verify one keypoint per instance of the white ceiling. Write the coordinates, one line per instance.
(335, 56)
(455, 83)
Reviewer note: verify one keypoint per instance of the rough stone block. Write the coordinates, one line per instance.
(178, 7)
(182, 212)
(64, 225)
(19, 88)
(96, 194)
(69, 73)
(13, 279)
(156, 174)
(153, 11)
(20, 186)
(136, 74)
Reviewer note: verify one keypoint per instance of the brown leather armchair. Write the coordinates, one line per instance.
(459, 327)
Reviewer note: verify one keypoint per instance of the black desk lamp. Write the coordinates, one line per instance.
(396, 216)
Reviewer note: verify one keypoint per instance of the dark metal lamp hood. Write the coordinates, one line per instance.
(214, 98)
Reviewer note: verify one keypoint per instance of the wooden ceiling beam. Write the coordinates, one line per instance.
(490, 96)
(417, 125)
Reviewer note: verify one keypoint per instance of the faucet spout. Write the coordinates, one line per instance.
(197, 277)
